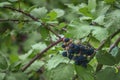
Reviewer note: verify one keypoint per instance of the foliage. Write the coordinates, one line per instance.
(31, 32)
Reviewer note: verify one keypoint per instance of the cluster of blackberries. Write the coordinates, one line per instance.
(76, 52)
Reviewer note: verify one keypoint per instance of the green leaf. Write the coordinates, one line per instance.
(44, 32)
(35, 66)
(59, 12)
(14, 58)
(61, 72)
(100, 33)
(91, 5)
(100, 20)
(110, 1)
(103, 8)
(85, 12)
(78, 30)
(84, 73)
(39, 46)
(106, 74)
(105, 58)
(3, 62)
(17, 76)
(13, 0)
(2, 76)
(116, 53)
(52, 15)
(2, 4)
(55, 61)
(112, 21)
(39, 12)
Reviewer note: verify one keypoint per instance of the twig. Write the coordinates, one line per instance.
(39, 55)
(53, 32)
(29, 15)
(14, 20)
(99, 66)
(32, 17)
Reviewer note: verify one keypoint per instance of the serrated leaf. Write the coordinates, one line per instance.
(78, 30)
(39, 46)
(59, 12)
(91, 5)
(61, 72)
(2, 4)
(100, 33)
(112, 21)
(105, 58)
(55, 61)
(103, 8)
(106, 74)
(100, 19)
(84, 73)
(39, 12)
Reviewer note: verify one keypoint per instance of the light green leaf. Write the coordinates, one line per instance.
(35, 66)
(59, 12)
(25, 56)
(91, 5)
(103, 8)
(85, 12)
(112, 21)
(100, 33)
(61, 72)
(78, 30)
(55, 61)
(105, 58)
(106, 74)
(2, 76)
(2, 4)
(39, 46)
(52, 15)
(84, 73)
(39, 12)
(100, 20)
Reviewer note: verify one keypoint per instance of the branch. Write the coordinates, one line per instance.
(32, 17)
(14, 20)
(99, 66)
(29, 15)
(39, 55)
(53, 32)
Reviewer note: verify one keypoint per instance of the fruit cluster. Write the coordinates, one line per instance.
(76, 52)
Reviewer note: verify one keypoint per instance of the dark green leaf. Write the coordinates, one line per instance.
(61, 72)
(105, 58)
(116, 53)
(106, 74)
(84, 73)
